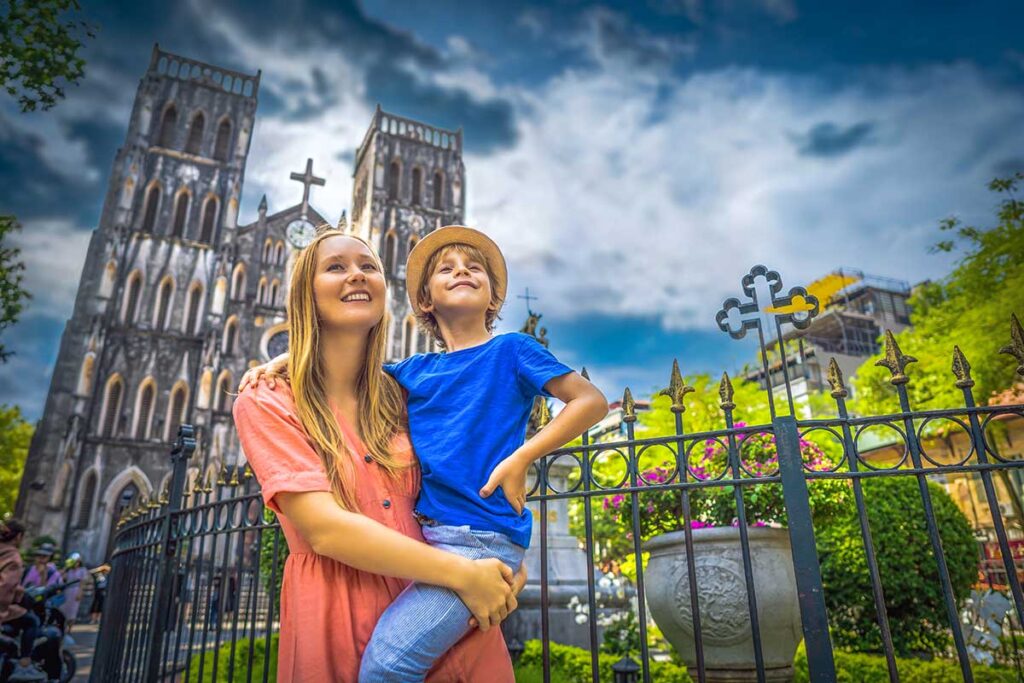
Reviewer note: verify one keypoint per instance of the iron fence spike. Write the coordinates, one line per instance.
(835, 379)
(677, 389)
(895, 360)
(726, 392)
(628, 406)
(961, 369)
(1016, 346)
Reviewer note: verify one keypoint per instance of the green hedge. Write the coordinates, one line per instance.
(572, 664)
(860, 668)
(241, 668)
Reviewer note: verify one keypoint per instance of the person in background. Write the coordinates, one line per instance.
(99, 592)
(73, 571)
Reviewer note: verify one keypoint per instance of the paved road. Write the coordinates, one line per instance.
(85, 642)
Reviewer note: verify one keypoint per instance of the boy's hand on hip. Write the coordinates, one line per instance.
(510, 475)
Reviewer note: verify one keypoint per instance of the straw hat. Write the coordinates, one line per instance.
(442, 237)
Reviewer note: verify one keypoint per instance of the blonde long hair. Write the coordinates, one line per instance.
(381, 403)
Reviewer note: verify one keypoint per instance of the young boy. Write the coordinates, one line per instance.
(468, 413)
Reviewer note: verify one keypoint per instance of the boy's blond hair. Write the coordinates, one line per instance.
(426, 320)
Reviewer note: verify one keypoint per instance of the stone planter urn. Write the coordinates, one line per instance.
(722, 595)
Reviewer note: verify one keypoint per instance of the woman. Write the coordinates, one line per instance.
(12, 533)
(334, 462)
(73, 571)
(99, 592)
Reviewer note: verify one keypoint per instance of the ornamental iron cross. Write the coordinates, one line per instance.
(761, 286)
(307, 179)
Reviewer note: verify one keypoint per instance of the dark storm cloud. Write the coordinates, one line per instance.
(829, 140)
(616, 37)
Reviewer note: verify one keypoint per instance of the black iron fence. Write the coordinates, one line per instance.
(196, 572)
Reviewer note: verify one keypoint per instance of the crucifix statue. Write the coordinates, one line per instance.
(307, 179)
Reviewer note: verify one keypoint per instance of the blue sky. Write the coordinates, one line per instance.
(633, 159)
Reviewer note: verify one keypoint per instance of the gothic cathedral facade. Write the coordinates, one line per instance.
(176, 299)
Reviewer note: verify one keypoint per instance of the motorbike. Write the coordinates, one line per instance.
(42, 601)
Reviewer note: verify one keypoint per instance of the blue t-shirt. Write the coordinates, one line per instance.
(468, 411)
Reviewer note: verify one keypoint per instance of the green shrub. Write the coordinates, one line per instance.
(863, 668)
(241, 668)
(909, 574)
(572, 664)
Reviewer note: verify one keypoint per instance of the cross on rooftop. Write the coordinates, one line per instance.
(528, 298)
(307, 179)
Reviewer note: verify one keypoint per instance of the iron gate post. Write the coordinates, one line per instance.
(813, 616)
(180, 454)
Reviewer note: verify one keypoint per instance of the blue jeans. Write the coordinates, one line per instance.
(425, 621)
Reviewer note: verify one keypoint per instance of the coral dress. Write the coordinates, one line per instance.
(328, 609)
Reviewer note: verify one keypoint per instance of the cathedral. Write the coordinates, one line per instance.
(177, 299)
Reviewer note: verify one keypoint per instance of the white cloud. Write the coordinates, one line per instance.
(53, 252)
(645, 197)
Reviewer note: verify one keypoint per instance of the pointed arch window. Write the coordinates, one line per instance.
(238, 283)
(195, 134)
(86, 501)
(229, 344)
(220, 147)
(275, 287)
(394, 175)
(180, 214)
(209, 219)
(175, 411)
(220, 291)
(162, 311)
(279, 254)
(261, 291)
(85, 379)
(152, 204)
(222, 399)
(268, 246)
(167, 125)
(417, 186)
(195, 301)
(130, 304)
(409, 338)
(438, 189)
(144, 409)
(111, 405)
(390, 253)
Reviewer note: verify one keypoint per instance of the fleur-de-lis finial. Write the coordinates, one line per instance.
(222, 476)
(628, 406)
(961, 369)
(725, 392)
(543, 412)
(152, 503)
(895, 360)
(677, 389)
(234, 477)
(1016, 346)
(208, 484)
(835, 379)
(246, 472)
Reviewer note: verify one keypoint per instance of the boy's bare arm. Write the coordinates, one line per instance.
(584, 406)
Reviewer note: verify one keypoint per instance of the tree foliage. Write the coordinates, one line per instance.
(39, 50)
(906, 563)
(15, 436)
(970, 308)
(12, 294)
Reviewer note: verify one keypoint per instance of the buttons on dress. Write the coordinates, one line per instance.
(368, 458)
(387, 504)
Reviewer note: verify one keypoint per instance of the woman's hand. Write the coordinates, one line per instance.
(518, 583)
(485, 587)
(269, 372)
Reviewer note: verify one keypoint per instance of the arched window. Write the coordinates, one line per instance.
(125, 500)
(268, 247)
(275, 287)
(408, 337)
(85, 378)
(175, 411)
(279, 254)
(86, 500)
(144, 409)
(422, 342)
(152, 204)
(130, 304)
(438, 189)
(417, 186)
(220, 147)
(195, 134)
(167, 124)
(109, 278)
(205, 389)
(220, 291)
(180, 214)
(111, 405)
(390, 253)
(195, 302)
(229, 343)
(222, 399)
(209, 219)
(394, 175)
(261, 291)
(162, 310)
(238, 283)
